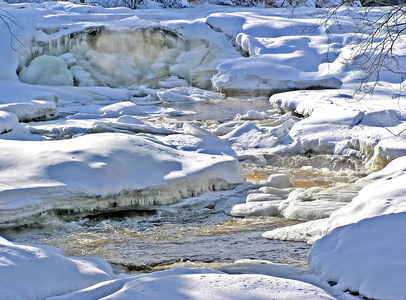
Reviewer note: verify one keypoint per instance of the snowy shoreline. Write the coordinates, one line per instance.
(86, 125)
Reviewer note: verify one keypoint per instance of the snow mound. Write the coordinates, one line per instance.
(102, 171)
(385, 194)
(199, 284)
(7, 121)
(37, 272)
(113, 110)
(47, 70)
(366, 257)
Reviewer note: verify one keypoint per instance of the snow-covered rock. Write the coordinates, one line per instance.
(366, 257)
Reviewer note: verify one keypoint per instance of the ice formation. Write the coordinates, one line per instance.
(102, 171)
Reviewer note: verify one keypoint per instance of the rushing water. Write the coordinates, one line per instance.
(142, 240)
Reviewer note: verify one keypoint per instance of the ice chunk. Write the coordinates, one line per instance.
(200, 143)
(303, 232)
(261, 197)
(47, 70)
(113, 110)
(187, 94)
(252, 115)
(130, 124)
(195, 130)
(279, 181)
(31, 110)
(266, 209)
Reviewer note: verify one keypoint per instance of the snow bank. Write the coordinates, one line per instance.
(37, 272)
(366, 257)
(102, 171)
(384, 194)
(200, 284)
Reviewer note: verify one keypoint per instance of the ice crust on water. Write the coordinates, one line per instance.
(337, 123)
(31, 110)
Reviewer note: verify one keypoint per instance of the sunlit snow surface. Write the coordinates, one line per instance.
(110, 109)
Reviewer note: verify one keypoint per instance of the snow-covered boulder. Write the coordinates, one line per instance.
(367, 257)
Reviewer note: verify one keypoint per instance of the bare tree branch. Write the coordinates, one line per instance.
(7, 20)
(376, 50)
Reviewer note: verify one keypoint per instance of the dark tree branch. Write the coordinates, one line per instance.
(375, 50)
(7, 20)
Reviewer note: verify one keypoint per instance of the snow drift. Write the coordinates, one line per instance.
(102, 171)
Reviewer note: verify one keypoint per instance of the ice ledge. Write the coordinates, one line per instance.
(239, 83)
(104, 171)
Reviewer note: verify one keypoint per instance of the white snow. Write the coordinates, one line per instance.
(7, 121)
(88, 72)
(366, 257)
(200, 284)
(38, 272)
(102, 171)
